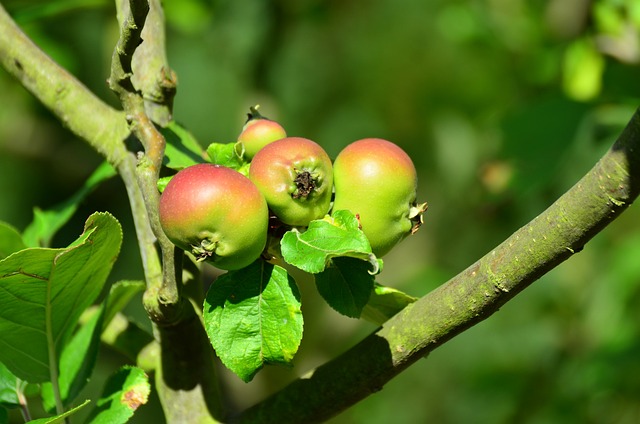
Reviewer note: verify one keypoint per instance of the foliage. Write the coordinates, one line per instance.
(501, 107)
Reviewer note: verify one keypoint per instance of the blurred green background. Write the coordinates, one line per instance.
(502, 104)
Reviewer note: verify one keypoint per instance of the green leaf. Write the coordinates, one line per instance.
(76, 362)
(163, 182)
(124, 392)
(324, 239)
(609, 18)
(62, 417)
(27, 12)
(46, 223)
(346, 285)
(583, 67)
(253, 317)
(4, 415)
(182, 149)
(9, 388)
(44, 291)
(225, 155)
(384, 303)
(10, 240)
(120, 295)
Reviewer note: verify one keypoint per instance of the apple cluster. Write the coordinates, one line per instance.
(225, 215)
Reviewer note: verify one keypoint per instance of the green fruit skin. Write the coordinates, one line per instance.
(257, 133)
(274, 170)
(377, 181)
(218, 204)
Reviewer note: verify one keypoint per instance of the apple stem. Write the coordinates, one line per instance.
(254, 114)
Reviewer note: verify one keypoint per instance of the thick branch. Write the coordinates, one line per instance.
(103, 127)
(470, 297)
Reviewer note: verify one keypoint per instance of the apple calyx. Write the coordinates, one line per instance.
(305, 185)
(416, 215)
(205, 250)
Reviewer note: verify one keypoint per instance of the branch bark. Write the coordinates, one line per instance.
(103, 127)
(186, 378)
(470, 297)
(162, 298)
(106, 130)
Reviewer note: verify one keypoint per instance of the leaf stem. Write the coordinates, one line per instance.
(24, 405)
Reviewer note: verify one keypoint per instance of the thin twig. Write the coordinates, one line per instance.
(162, 299)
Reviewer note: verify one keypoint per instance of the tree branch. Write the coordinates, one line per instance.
(470, 297)
(162, 298)
(186, 378)
(103, 127)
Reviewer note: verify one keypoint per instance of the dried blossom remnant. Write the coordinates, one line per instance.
(136, 396)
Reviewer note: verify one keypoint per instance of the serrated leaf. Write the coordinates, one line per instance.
(76, 362)
(225, 155)
(384, 303)
(124, 392)
(47, 222)
(10, 240)
(346, 285)
(324, 239)
(62, 417)
(44, 291)
(253, 318)
(182, 149)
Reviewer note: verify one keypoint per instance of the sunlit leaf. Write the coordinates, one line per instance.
(120, 295)
(123, 394)
(582, 70)
(253, 318)
(10, 240)
(225, 155)
(182, 149)
(62, 418)
(76, 362)
(324, 239)
(384, 303)
(9, 386)
(163, 182)
(44, 291)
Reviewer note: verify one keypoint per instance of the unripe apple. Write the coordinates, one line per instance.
(295, 175)
(215, 213)
(376, 180)
(258, 132)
